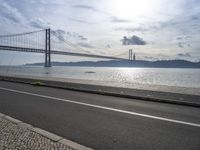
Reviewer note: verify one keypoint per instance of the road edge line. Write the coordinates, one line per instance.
(103, 107)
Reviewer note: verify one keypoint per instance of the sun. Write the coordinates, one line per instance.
(130, 9)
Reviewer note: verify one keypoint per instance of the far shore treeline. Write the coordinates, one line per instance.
(128, 63)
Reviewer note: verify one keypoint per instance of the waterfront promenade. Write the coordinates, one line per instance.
(158, 93)
(103, 122)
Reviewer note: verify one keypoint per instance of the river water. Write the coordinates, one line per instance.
(152, 76)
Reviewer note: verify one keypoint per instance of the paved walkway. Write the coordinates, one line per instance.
(20, 137)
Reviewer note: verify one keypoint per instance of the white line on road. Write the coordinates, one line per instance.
(105, 108)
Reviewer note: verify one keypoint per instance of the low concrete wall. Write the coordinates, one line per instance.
(165, 97)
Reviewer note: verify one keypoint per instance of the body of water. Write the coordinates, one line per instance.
(152, 76)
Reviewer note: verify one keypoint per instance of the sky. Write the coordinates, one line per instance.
(154, 29)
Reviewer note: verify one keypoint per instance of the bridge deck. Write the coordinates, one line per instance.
(33, 50)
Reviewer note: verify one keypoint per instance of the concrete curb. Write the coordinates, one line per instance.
(46, 134)
(164, 97)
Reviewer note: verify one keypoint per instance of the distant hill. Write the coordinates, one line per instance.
(127, 63)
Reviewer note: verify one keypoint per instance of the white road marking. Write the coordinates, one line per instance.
(105, 108)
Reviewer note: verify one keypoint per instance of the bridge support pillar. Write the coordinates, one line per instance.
(48, 48)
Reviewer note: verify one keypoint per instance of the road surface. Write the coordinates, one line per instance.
(103, 122)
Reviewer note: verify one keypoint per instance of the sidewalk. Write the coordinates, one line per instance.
(16, 135)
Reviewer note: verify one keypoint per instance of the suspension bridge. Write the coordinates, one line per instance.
(44, 41)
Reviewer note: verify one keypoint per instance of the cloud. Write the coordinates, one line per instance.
(179, 38)
(60, 34)
(82, 38)
(10, 13)
(81, 21)
(118, 20)
(183, 41)
(138, 29)
(87, 7)
(38, 23)
(183, 55)
(86, 45)
(166, 29)
(183, 44)
(65, 36)
(91, 8)
(180, 44)
(108, 46)
(185, 24)
(133, 29)
(76, 36)
(133, 40)
(182, 38)
(195, 18)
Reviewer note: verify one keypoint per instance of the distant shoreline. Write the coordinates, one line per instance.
(127, 63)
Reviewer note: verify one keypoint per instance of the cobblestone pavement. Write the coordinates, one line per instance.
(14, 137)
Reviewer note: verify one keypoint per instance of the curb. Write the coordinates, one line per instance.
(45, 133)
(103, 90)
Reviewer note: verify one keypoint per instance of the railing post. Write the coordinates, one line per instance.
(47, 48)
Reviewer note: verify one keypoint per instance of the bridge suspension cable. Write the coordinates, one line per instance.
(40, 42)
(19, 34)
(120, 54)
(67, 43)
(34, 39)
(76, 47)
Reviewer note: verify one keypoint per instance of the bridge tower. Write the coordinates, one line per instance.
(47, 48)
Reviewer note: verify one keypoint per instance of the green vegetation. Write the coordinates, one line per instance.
(37, 83)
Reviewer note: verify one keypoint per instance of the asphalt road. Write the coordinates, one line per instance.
(103, 122)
